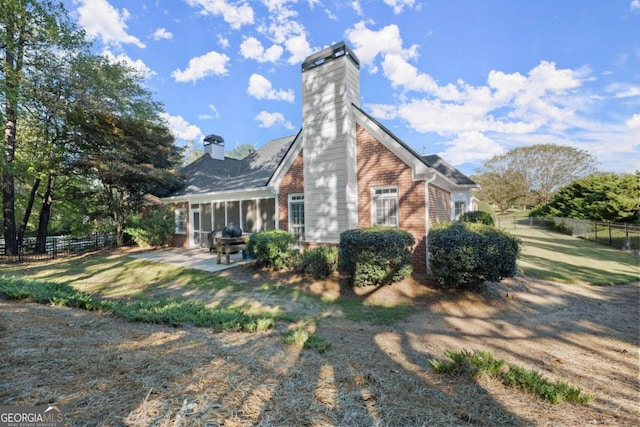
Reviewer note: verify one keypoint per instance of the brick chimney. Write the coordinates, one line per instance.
(330, 85)
(214, 146)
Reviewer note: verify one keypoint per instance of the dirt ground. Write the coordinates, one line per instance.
(105, 371)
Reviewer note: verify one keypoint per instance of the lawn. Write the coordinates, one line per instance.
(334, 356)
(554, 256)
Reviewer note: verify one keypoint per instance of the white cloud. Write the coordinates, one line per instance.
(509, 103)
(368, 44)
(252, 48)
(138, 65)
(215, 114)
(235, 14)
(623, 90)
(260, 87)
(634, 122)
(99, 19)
(399, 5)
(357, 7)
(209, 64)
(470, 147)
(635, 5)
(299, 48)
(283, 29)
(223, 41)
(162, 34)
(268, 120)
(182, 129)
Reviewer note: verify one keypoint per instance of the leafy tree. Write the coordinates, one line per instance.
(544, 168)
(128, 157)
(31, 32)
(600, 197)
(504, 189)
(241, 151)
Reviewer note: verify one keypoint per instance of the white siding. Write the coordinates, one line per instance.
(329, 146)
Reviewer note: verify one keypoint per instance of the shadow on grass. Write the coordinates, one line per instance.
(568, 259)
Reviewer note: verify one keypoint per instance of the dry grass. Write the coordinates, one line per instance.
(105, 371)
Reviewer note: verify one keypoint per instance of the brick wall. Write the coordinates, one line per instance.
(439, 205)
(378, 166)
(292, 183)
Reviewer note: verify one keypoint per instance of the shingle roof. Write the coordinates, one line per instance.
(447, 170)
(208, 175)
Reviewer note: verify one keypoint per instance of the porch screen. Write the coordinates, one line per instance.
(249, 216)
(206, 217)
(267, 209)
(233, 213)
(219, 216)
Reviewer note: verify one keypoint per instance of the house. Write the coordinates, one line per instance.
(342, 170)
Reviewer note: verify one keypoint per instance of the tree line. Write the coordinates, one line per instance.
(561, 181)
(82, 134)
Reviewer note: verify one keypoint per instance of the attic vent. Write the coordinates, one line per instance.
(329, 54)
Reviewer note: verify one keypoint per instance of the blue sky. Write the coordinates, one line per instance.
(465, 79)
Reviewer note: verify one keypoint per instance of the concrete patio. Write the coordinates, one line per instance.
(199, 258)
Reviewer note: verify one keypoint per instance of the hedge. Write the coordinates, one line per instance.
(466, 255)
(271, 248)
(373, 256)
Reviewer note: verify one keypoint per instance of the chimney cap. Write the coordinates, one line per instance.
(213, 139)
(329, 54)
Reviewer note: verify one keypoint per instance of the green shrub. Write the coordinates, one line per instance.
(374, 256)
(473, 364)
(478, 363)
(153, 228)
(304, 339)
(478, 217)
(271, 248)
(320, 262)
(172, 312)
(560, 227)
(465, 255)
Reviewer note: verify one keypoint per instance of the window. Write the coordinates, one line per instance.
(459, 209)
(296, 216)
(384, 206)
(181, 221)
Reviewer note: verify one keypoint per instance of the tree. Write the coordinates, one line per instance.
(600, 197)
(504, 189)
(544, 167)
(128, 157)
(241, 151)
(30, 32)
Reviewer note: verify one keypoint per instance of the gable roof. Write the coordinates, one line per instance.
(208, 175)
(432, 161)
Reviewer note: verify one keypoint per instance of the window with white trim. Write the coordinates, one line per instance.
(296, 216)
(459, 209)
(384, 206)
(181, 220)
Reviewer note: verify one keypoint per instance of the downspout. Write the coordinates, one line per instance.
(426, 218)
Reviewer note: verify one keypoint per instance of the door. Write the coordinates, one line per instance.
(195, 226)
